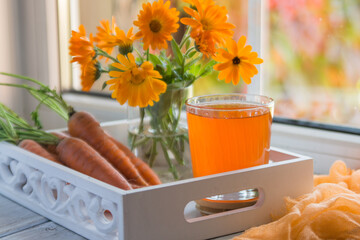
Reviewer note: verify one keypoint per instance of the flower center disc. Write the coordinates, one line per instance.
(205, 24)
(137, 77)
(155, 26)
(236, 60)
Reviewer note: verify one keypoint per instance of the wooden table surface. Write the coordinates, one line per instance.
(20, 223)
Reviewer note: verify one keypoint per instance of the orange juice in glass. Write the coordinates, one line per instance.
(228, 132)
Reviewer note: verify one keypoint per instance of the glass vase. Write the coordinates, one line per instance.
(158, 134)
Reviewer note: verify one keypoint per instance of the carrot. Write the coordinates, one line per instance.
(84, 126)
(78, 155)
(52, 147)
(34, 147)
(144, 169)
(61, 135)
(73, 152)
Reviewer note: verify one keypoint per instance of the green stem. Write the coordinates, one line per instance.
(178, 116)
(14, 118)
(153, 153)
(18, 86)
(44, 89)
(172, 169)
(25, 78)
(188, 51)
(182, 144)
(185, 137)
(54, 101)
(6, 125)
(142, 116)
(169, 143)
(140, 130)
(139, 55)
(177, 156)
(184, 60)
(105, 54)
(141, 142)
(10, 131)
(185, 37)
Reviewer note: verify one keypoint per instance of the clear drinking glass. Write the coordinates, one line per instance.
(229, 132)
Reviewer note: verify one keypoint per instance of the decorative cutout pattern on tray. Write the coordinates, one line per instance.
(60, 198)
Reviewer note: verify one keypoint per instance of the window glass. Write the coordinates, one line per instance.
(313, 60)
(311, 55)
(91, 12)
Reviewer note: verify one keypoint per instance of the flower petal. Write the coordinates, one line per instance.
(222, 66)
(241, 43)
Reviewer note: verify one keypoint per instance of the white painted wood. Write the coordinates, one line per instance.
(256, 10)
(64, 29)
(147, 212)
(46, 231)
(168, 201)
(31, 180)
(52, 31)
(15, 218)
(323, 146)
(103, 109)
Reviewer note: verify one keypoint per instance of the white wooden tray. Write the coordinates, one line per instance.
(166, 211)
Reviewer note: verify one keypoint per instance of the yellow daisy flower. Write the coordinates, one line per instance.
(89, 73)
(209, 18)
(237, 62)
(156, 23)
(137, 85)
(109, 37)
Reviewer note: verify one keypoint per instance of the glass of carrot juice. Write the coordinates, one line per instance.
(228, 132)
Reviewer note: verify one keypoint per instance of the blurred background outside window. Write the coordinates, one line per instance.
(311, 59)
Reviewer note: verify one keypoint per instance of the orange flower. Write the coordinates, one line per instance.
(137, 85)
(202, 2)
(156, 23)
(126, 44)
(205, 44)
(81, 48)
(105, 37)
(89, 73)
(109, 37)
(237, 62)
(209, 19)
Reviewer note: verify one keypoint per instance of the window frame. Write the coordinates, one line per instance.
(324, 142)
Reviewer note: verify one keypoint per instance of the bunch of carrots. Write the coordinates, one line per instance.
(85, 147)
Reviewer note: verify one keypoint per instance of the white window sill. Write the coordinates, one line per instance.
(323, 146)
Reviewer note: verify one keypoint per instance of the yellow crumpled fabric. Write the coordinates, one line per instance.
(331, 211)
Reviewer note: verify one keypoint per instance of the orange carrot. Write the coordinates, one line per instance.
(52, 147)
(61, 135)
(78, 155)
(144, 169)
(36, 148)
(84, 126)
